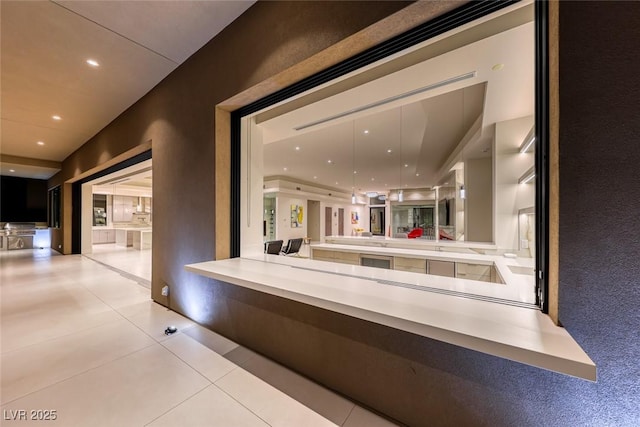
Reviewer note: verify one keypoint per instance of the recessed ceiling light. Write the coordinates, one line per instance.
(366, 131)
(337, 183)
(373, 179)
(315, 177)
(12, 170)
(56, 117)
(40, 143)
(355, 171)
(329, 161)
(284, 169)
(93, 62)
(497, 67)
(406, 165)
(297, 148)
(389, 150)
(417, 174)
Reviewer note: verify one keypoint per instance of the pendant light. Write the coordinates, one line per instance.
(353, 163)
(400, 193)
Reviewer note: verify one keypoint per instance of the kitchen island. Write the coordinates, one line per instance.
(136, 237)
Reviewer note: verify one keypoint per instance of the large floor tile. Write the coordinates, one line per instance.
(210, 339)
(316, 397)
(156, 318)
(34, 367)
(202, 359)
(131, 391)
(23, 330)
(119, 292)
(240, 355)
(133, 261)
(211, 407)
(360, 417)
(270, 404)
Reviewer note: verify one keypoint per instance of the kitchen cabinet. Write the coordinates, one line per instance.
(104, 236)
(474, 272)
(123, 208)
(124, 237)
(441, 268)
(141, 239)
(414, 265)
(336, 256)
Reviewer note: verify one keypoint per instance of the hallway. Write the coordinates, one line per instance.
(85, 345)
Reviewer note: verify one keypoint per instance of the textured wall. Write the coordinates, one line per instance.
(424, 382)
(600, 201)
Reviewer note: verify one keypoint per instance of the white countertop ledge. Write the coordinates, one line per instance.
(520, 334)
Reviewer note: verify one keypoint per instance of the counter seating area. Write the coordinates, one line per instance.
(422, 304)
(275, 247)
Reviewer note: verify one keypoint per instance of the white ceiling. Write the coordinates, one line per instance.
(435, 123)
(377, 149)
(43, 71)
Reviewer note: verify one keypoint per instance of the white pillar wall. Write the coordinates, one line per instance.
(510, 165)
(87, 219)
(251, 199)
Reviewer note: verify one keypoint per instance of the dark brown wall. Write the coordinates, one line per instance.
(428, 383)
(23, 199)
(415, 380)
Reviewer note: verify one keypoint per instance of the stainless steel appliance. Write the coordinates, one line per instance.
(17, 235)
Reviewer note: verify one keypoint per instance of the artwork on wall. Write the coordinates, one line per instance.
(297, 216)
(354, 217)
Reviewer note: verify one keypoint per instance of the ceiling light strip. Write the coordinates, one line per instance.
(528, 141)
(528, 176)
(437, 85)
(122, 178)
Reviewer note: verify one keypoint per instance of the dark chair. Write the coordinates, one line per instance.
(273, 247)
(293, 247)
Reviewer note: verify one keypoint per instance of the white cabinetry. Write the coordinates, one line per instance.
(123, 208)
(124, 237)
(415, 265)
(104, 236)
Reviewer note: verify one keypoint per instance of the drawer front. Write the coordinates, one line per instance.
(441, 268)
(410, 264)
(347, 257)
(473, 271)
(322, 255)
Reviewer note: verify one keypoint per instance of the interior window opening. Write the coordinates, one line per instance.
(117, 220)
(427, 169)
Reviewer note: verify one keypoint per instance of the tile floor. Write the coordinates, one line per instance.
(133, 261)
(80, 339)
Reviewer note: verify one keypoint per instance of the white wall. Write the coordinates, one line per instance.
(349, 229)
(251, 181)
(86, 225)
(284, 231)
(510, 164)
(479, 200)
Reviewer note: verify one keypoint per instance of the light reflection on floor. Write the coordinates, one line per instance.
(129, 260)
